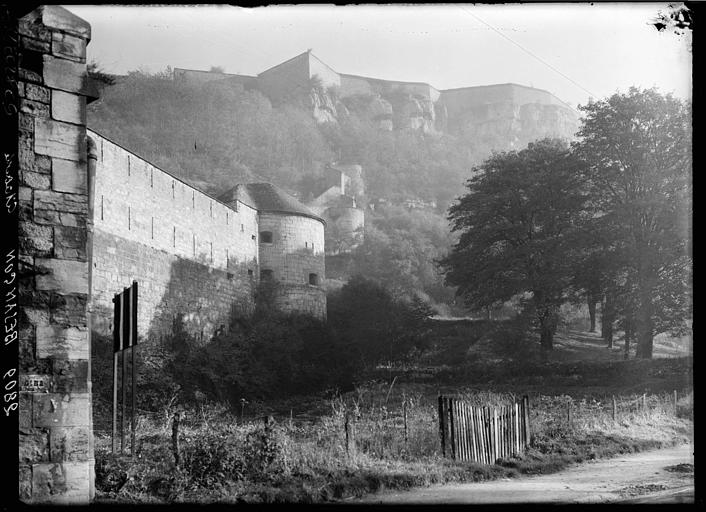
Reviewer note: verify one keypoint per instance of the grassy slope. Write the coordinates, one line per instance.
(304, 458)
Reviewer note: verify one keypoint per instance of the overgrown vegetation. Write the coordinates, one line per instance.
(270, 354)
(227, 460)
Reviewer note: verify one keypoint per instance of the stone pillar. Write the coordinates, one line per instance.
(55, 456)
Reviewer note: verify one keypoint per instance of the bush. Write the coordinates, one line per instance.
(213, 457)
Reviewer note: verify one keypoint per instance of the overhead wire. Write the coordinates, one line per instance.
(527, 51)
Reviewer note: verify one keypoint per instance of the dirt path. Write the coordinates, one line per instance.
(659, 476)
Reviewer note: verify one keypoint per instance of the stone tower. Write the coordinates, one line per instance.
(291, 247)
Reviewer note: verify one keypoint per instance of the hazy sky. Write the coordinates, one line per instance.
(601, 48)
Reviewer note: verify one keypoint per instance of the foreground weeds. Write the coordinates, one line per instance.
(372, 439)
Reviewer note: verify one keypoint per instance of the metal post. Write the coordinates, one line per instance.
(115, 401)
(134, 397)
(442, 429)
(124, 401)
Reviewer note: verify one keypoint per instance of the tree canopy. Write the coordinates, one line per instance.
(517, 225)
(635, 152)
(610, 217)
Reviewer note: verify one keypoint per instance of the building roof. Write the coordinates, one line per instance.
(265, 197)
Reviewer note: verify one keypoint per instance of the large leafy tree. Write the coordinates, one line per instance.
(636, 154)
(518, 232)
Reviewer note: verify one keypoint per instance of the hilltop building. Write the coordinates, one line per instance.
(522, 113)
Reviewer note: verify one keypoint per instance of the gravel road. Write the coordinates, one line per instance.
(659, 476)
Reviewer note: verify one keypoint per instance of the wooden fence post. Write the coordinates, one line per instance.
(568, 413)
(442, 429)
(525, 413)
(496, 451)
(615, 408)
(452, 425)
(404, 414)
(346, 427)
(644, 402)
(175, 436)
(675, 402)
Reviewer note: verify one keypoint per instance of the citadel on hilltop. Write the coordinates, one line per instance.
(519, 113)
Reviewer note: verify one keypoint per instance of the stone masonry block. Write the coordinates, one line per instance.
(37, 315)
(26, 123)
(62, 275)
(69, 176)
(68, 47)
(29, 76)
(68, 309)
(61, 342)
(35, 180)
(61, 483)
(34, 445)
(60, 410)
(35, 239)
(70, 243)
(24, 477)
(69, 444)
(38, 93)
(34, 108)
(26, 360)
(60, 140)
(30, 43)
(48, 205)
(65, 75)
(68, 107)
(58, 18)
(27, 158)
(69, 376)
(31, 26)
(25, 410)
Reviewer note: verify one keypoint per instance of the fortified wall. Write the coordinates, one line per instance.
(195, 258)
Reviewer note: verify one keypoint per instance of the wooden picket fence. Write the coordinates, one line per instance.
(482, 434)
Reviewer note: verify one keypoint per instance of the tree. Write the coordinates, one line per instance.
(636, 157)
(517, 223)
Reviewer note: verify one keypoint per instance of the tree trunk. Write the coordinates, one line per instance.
(629, 323)
(645, 325)
(592, 312)
(547, 328)
(608, 318)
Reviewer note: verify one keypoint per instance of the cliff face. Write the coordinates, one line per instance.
(511, 126)
(508, 115)
(505, 116)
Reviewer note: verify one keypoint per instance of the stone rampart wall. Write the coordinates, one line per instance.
(459, 100)
(287, 80)
(327, 75)
(189, 253)
(171, 288)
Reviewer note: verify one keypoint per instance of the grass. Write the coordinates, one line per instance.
(306, 461)
(303, 455)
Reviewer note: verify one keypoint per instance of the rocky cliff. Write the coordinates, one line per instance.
(506, 116)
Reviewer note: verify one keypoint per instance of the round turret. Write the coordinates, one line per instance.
(291, 248)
